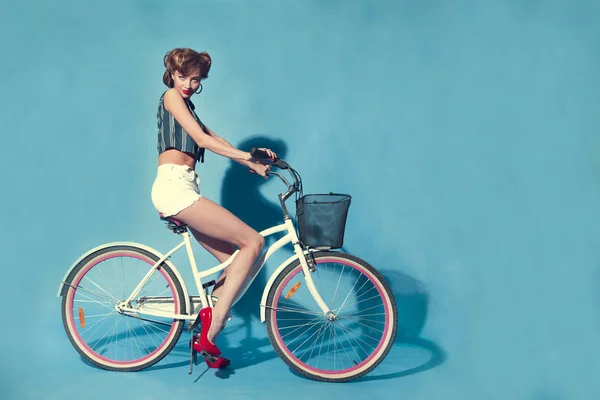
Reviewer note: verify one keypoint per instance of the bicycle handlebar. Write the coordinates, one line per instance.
(263, 156)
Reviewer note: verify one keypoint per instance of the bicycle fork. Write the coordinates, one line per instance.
(308, 267)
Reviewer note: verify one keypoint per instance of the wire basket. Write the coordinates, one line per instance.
(322, 219)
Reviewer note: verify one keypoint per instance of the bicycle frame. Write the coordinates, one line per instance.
(289, 237)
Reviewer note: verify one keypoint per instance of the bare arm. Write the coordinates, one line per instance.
(226, 143)
(175, 104)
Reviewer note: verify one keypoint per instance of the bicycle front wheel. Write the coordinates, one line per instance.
(348, 343)
(111, 339)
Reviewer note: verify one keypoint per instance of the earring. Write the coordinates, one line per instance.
(198, 92)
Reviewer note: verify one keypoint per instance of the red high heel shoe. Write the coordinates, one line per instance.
(208, 350)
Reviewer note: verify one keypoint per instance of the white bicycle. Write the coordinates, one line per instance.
(329, 315)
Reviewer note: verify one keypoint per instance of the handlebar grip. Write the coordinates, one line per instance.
(264, 156)
(259, 154)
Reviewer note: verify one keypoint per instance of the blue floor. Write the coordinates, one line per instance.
(56, 371)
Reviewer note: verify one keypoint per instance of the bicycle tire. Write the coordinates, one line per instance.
(371, 360)
(86, 351)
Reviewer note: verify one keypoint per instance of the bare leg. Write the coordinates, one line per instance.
(222, 251)
(212, 220)
(218, 248)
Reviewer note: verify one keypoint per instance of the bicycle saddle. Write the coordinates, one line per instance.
(171, 219)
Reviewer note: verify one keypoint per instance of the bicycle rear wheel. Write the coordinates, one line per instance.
(349, 343)
(108, 338)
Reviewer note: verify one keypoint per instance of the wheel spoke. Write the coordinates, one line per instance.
(337, 286)
(111, 301)
(95, 284)
(321, 345)
(353, 347)
(377, 296)
(320, 333)
(307, 339)
(359, 338)
(98, 323)
(295, 310)
(350, 291)
(308, 325)
(369, 326)
(361, 315)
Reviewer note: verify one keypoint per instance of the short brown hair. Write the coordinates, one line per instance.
(185, 60)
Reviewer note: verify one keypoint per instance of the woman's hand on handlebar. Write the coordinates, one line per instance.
(260, 169)
(259, 164)
(263, 154)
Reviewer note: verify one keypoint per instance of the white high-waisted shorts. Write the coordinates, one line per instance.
(175, 188)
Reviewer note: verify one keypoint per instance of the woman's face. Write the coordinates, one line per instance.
(186, 85)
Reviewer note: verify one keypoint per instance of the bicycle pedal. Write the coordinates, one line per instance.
(209, 357)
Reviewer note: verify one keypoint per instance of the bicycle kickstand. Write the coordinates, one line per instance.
(193, 352)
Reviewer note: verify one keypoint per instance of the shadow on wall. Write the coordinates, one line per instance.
(241, 195)
(410, 353)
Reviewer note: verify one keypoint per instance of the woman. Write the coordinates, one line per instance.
(182, 138)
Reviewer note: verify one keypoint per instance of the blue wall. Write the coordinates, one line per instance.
(466, 132)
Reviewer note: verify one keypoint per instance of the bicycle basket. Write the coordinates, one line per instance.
(322, 219)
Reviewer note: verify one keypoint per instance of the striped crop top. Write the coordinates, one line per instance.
(172, 135)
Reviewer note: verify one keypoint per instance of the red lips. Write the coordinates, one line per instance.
(186, 91)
